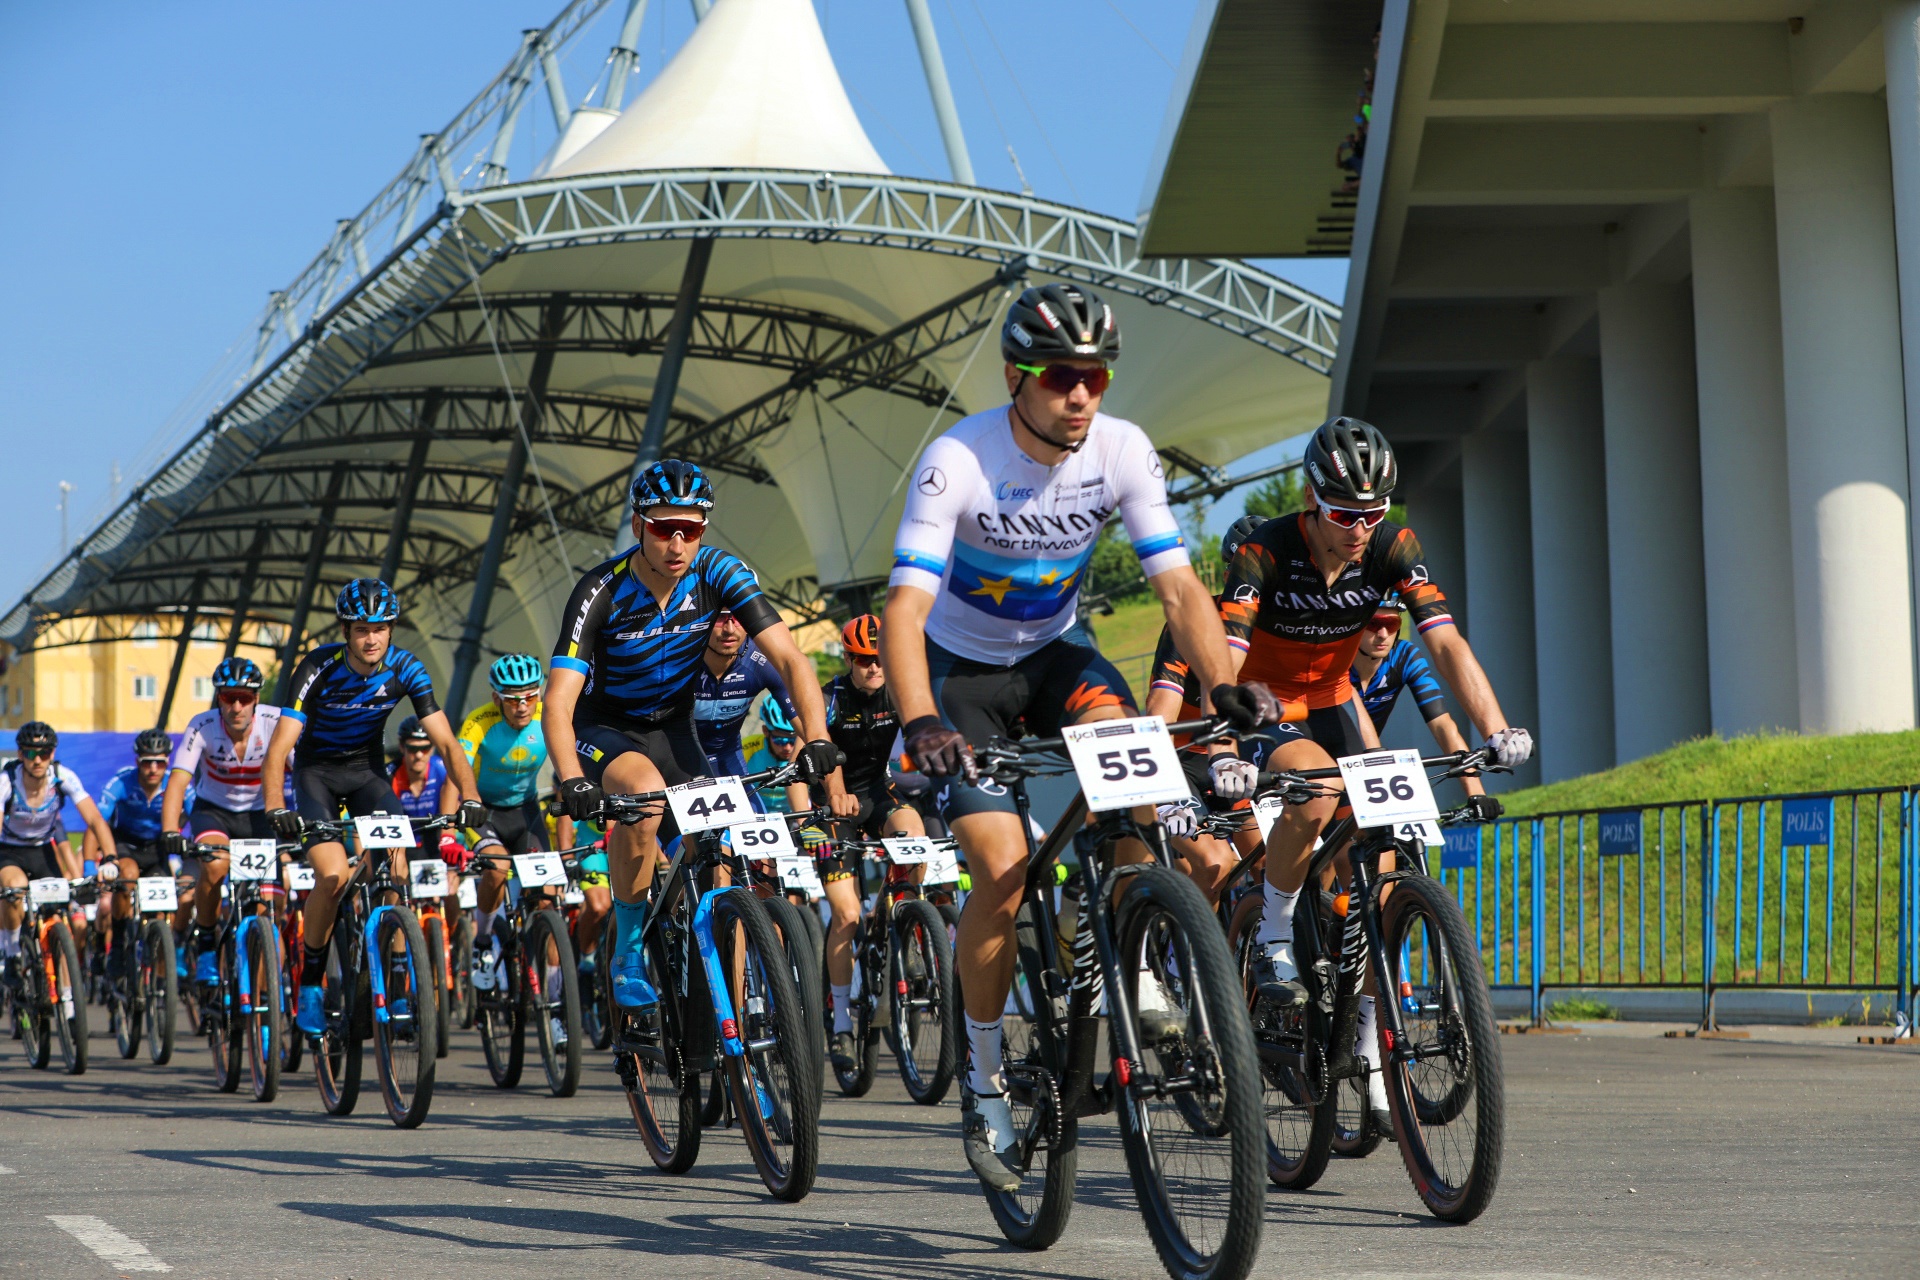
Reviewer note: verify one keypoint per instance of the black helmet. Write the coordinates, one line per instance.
(671, 483)
(1238, 532)
(411, 731)
(36, 733)
(152, 742)
(1059, 321)
(237, 673)
(1350, 461)
(367, 600)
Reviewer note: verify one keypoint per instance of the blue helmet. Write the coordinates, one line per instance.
(672, 483)
(367, 600)
(238, 673)
(774, 719)
(514, 671)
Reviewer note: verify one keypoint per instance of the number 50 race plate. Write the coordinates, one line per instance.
(1387, 788)
(1123, 763)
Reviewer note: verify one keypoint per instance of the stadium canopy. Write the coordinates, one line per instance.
(724, 271)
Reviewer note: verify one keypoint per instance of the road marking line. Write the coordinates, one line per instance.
(122, 1251)
(4, 1170)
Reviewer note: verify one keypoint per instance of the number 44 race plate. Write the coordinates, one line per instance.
(1123, 763)
(1387, 788)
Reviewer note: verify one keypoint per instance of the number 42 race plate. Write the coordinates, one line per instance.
(1123, 763)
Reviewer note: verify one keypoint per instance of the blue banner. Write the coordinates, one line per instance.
(1463, 848)
(1619, 833)
(1805, 821)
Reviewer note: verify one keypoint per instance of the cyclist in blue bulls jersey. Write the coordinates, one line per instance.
(342, 695)
(733, 673)
(1384, 664)
(1001, 520)
(620, 696)
(132, 802)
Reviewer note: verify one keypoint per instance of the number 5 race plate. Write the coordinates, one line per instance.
(1387, 788)
(1123, 763)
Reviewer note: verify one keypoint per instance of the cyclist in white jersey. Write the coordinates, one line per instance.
(221, 754)
(999, 526)
(33, 843)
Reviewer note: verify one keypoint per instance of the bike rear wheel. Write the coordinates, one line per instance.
(1299, 1105)
(552, 983)
(500, 1015)
(1444, 1084)
(68, 1010)
(1047, 1150)
(924, 999)
(405, 1021)
(1190, 1117)
(1354, 1134)
(264, 1025)
(855, 1078)
(220, 1019)
(460, 974)
(159, 990)
(125, 986)
(435, 933)
(776, 1090)
(663, 1094)
(790, 922)
(336, 1054)
(32, 1010)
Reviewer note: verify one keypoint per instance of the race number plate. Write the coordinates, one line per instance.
(943, 864)
(159, 893)
(908, 851)
(709, 803)
(1387, 788)
(1427, 833)
(300, 879)
(539, 869)
(1266, 812)
(252, 860)
(383, 831)
(1123, 763)
(429, 876)
(766, 838)
(800, 874)
(49, 892)
(469, 895)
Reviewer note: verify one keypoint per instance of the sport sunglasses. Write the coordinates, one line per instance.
(687, 530)
(1061, 379)
(36, 753)
(237, 697)
(1349, 518)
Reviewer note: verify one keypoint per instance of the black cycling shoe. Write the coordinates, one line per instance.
(981, 1156)
(1382, 1123)
(845, 1051)
(1276, 985)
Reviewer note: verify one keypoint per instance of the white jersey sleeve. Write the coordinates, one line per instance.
(69, 783)
(943, 485)
(192, 745)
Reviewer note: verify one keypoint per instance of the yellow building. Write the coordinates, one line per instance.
(110, 674)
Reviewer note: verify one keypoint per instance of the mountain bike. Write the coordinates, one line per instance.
(45, 984)
(243, 1012)
(1186, 1088)
(1439, 1043)
(536, 979)
(904, 978)
(143, 982)
(378, 983)
(723, 976)
(431, 884)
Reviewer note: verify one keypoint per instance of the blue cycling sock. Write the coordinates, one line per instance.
(630, 919)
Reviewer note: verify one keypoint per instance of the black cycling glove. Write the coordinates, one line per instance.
(938, 751)
(1485, 808)
(470, 814)
(818, 759)
(1246, 706)
(175, 843)
(581, 799)
(285, 823)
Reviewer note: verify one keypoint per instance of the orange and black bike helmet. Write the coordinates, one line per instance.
(862, 636)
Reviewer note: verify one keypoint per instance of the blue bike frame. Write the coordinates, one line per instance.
(377, 973)
(245, 971)
(730, 1040)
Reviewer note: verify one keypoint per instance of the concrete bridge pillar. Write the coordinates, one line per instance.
(1900, 29)
(1499, 549)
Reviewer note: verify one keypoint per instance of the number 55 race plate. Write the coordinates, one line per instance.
(1387, 788)
(1123, 763)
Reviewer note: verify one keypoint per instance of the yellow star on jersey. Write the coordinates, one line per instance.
(995, 587)
(1066, 585)
(1046, 579)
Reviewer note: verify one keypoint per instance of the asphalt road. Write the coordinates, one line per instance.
(1626, 1154)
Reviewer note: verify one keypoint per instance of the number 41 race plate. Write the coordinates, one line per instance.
(1387, 788)
(1123, 763)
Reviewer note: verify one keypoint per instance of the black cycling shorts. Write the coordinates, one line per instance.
(1335, 728)
(518, 828)
(1054, 686)
(34, 859)
(323, 788)
(673, 747)
(146, 854)
(207, 818)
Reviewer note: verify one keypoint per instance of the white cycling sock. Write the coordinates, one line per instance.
(9, 943)
(1276, 921)
(842, 1008)
(483, 925)
(1366, 1043)
(983, 1054)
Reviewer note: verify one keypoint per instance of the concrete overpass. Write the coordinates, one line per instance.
(1636, 286)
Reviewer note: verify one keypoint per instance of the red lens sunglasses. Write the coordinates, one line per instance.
(1061, 379)
(687, 530)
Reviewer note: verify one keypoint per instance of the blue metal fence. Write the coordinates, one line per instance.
(1808, 892)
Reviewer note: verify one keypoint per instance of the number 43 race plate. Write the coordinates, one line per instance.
(1387, 788)
(1123, 763)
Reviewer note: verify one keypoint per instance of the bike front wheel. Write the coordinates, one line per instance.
(776, 1086)
(552, 984)
(435, 932)
(1190, 1113)
(159, 990)
(405, 1020)
(1445, 1087)
(790, 922)
(263, 1025)
(924, 1000)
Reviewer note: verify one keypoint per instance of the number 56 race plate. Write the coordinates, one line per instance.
(1123, 763)
(1387, 788)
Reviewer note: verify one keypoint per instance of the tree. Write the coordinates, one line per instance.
(1114, 570)
(1278, 495)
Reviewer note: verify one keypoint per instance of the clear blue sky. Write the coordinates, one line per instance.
(168, 165)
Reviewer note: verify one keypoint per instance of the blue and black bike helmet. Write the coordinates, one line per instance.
(367, 600)
(238, 673)
(774, 719)
(672, 483)
(514, 671)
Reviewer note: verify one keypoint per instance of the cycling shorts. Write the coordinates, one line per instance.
(520, 828)
(1335, 728)
(673, 748)
(34, 859)
(323, 788)
(593, 870)
(1054, 686)
(146, 854)
(236, 824)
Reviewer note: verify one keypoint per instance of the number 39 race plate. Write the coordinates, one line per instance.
(1387, 788)
(1123, 763)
